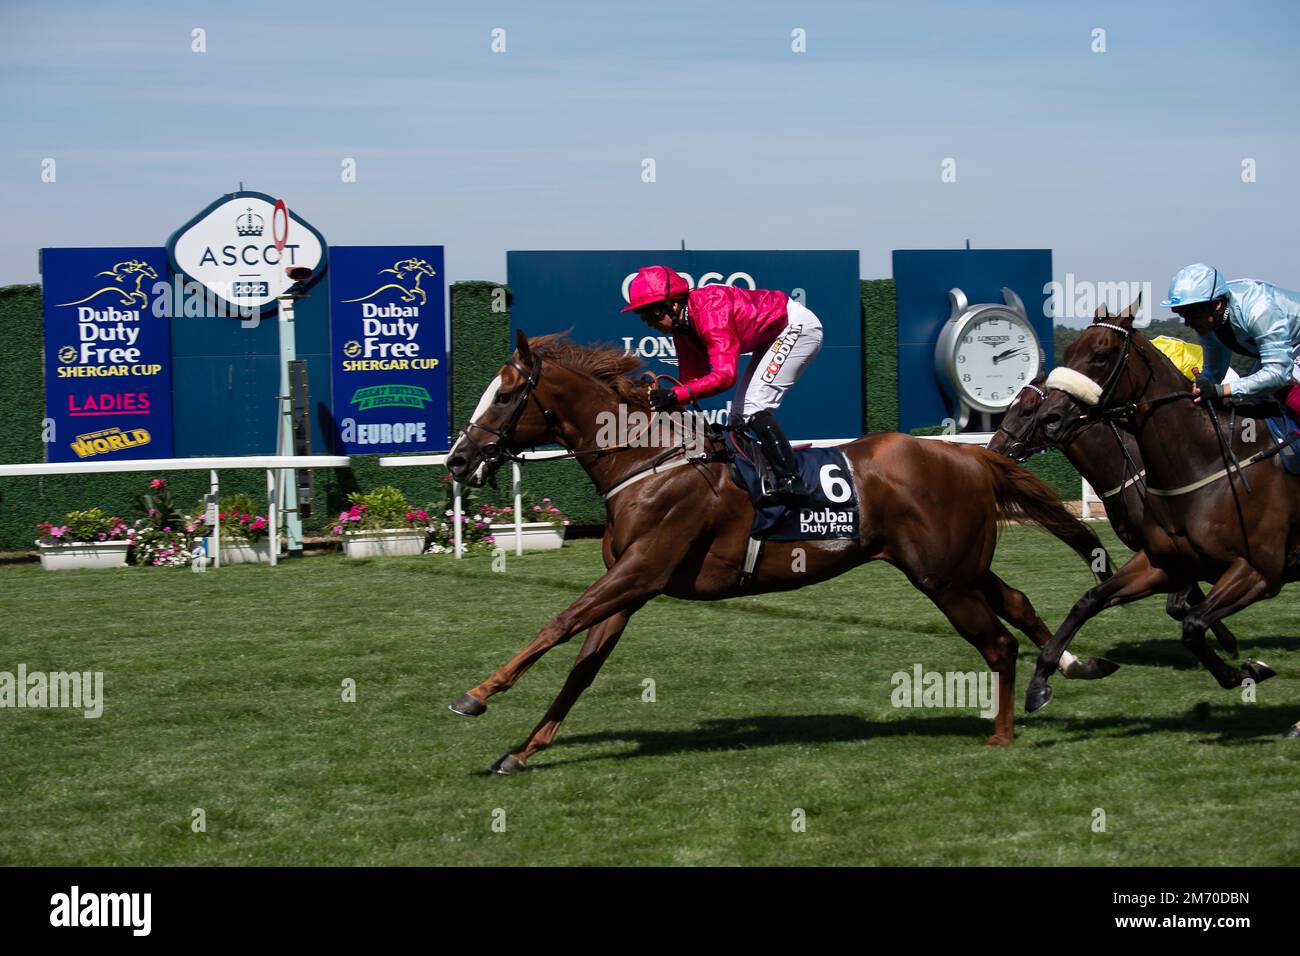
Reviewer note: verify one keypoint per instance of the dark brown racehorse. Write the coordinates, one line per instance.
(930, 508)
(1204, 519)
(1109, 459)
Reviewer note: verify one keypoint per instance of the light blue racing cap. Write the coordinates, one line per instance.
(1195, 283)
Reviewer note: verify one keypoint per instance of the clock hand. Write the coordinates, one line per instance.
(1007, 354)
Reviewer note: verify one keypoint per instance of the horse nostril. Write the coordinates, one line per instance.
(456, 462)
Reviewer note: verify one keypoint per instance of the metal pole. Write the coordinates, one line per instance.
(455, 518)
(519, 504)
(289, 481)
(214, 489)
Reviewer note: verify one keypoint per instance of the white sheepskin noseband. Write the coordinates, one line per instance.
(1075, 384)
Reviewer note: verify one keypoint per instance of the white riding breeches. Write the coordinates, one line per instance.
(771, 371)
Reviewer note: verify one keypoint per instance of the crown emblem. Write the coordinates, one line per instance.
(249, 224)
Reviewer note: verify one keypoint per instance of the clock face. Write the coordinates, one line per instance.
(994, 356)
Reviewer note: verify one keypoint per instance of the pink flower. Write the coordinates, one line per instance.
(58, 532)
(167, 530)
(189, 528)
(102, 536)
(537, 507)
(343, 516)
(338, 529)
(354, 517)
(546, 501)
(158, 483)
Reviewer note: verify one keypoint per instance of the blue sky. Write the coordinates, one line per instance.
(1127, 164)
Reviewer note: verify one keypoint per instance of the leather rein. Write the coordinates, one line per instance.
(495, 452)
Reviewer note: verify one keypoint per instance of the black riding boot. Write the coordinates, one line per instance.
(790, 485)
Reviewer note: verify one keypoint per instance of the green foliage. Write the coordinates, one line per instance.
(381, 508)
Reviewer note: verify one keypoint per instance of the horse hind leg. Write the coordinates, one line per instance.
(1014, 607)
(974, 618)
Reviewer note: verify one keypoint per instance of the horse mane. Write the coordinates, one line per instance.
(606, 365)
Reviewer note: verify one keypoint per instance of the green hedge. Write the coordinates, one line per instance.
(480, 345)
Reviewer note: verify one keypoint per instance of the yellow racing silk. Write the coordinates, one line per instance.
(1186, 355)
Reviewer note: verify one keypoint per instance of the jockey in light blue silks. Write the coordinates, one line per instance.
(1245, 316)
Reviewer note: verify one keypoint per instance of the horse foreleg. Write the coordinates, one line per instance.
(630, 583)
(600, 643)
(1137, 579)
(1240, 586)
(1014, 607)
(1181, 602)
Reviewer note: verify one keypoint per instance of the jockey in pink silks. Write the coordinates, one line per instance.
(714, 325)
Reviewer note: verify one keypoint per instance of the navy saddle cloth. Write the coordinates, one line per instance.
(832, 512)
(1284, 428)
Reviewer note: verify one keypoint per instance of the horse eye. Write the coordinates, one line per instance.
(1104, 356)
(502, 398)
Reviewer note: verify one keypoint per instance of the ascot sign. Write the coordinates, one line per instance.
(230, 250)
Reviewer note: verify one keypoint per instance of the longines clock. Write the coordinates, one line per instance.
(985, 354)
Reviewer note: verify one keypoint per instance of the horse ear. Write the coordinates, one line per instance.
(1101, 313)
(1133, 308)
(521, 343)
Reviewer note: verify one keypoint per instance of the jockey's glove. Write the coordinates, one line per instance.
(662, 398)
(1211, 391)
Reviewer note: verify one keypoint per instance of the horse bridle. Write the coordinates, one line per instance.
(1020, 441)
(494, 452)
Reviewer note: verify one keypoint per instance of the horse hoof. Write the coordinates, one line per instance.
(467, 705)
(508, 764)
(997, 740)
(1105, 666)
(1036, 698)
(1292, 732)
(1258, 671)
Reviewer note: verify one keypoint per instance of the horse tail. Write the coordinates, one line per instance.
(1023, 496)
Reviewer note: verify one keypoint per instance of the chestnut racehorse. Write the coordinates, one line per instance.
(1205, 518)
(1111, 462)
(681, 528)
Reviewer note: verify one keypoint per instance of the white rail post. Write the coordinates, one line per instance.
(519, 504)
(214, 489)
(455, 517)
(273, 513)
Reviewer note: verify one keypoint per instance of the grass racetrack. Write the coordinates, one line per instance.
(223, 692)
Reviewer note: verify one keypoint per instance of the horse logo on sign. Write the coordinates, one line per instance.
(417, 268)
(120, 274)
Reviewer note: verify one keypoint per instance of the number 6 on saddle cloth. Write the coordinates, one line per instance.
(831, 510)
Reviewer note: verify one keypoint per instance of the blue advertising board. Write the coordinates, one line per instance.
(553, 291)
(388, 349)
(108, 383)
(922, 278)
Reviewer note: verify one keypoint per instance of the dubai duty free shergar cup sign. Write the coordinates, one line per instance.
(388, 349)
(230, 250)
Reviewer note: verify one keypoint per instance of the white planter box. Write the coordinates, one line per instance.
(537, 535)
(383, 544)
(89, 554)
(246, 552)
